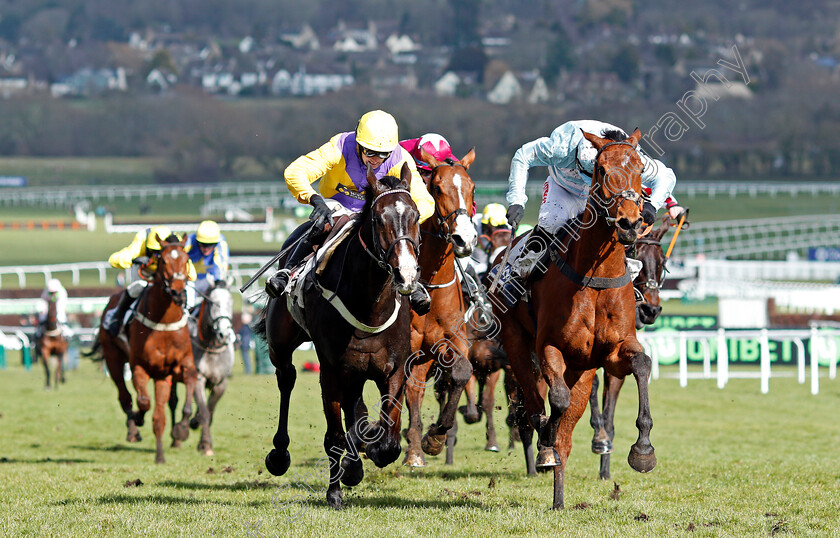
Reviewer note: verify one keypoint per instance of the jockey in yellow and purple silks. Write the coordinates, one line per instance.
(143, 252)
(208, 250)
(341, 165)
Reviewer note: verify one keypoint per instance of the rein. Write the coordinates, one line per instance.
(214, 326)
(628, 194)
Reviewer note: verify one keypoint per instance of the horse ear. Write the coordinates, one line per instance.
(160, 240)
(660, 232)
(468, 159)
(371, 177)
(405, 176)
(597, 141)
(428, 158)
(635, 137)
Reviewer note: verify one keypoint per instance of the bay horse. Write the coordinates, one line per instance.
(158, 347)
(213, 337)
(357, 315)
(648, 307)
(581, 316)
(52, 346)
(439, 344)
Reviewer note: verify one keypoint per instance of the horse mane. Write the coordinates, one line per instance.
(391, 182)
(616, 135)
(172, 239)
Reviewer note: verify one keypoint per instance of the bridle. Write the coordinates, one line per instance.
(443, 222)
(214, 325)
(651, 283)
(165, 283)
(379, 254)
(629, 194)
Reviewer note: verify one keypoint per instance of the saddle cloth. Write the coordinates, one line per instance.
(297, 283)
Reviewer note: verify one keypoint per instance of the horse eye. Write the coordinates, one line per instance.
(437, 189)
(601, 171)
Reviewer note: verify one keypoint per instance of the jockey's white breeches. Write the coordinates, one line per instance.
(559, 205)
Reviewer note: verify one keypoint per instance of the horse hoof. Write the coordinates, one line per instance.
(433, 444)
(160, 460)
(643, 463)
(602, 447)
(194, 424)
(47, 388)
(277, 464)
(548, 457)
(334, 499)
(492, 448)
(353, 473)
(175, 444)
(414, 460)
(209, 452)
(470, 416)
(180, 432)
(133, 438)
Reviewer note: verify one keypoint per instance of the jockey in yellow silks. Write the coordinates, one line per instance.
(142, 252)
(341, 165)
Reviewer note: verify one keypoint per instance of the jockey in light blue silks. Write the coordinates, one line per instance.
(570, 161)
(208, 250)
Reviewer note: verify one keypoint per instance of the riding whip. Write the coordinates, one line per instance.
(272, 261)
(504, 260)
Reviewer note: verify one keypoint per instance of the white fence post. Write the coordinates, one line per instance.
(683, 361)
(765, 362)
(722, 360)
(815, 362)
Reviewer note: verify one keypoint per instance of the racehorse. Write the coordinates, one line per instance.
(486, 355)
(158, 347)
(648, 306)
(439, 339)
(52, 346)
(357, 315)
(581, 316)
(212, 338)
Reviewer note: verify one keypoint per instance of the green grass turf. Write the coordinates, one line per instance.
(732, 462)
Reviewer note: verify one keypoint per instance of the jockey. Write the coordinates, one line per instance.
(341, 165)
(54, 292)
(143, 252)
(435, 145)
(570, 161)
(208, 250)
(492, 218)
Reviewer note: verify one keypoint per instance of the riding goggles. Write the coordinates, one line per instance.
(380, 154)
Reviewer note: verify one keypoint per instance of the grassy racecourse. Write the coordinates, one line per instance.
(732, 462)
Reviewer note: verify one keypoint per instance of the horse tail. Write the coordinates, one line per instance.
(94, 353)
(260, 327)
(497, 354)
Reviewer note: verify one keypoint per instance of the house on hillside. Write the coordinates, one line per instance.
(527, 87)
(87, 81)
(306, 39)
(447, 85)
(355, 39)
(307, 83)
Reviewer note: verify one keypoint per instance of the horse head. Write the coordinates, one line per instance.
(495, 240)
(216, 318)
(172, 271)
(395, 229)
(649, 281)
(452, 188)
(617, 184)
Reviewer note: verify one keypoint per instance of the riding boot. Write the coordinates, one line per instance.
(114, 318)
(420, 300)
(530, 263)
(276, 285)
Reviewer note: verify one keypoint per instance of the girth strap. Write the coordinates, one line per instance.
(155, 326)
(335, 301)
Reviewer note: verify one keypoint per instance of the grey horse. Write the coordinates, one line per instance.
(213, 337)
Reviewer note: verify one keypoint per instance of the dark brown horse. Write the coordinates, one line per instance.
(357, 315)
(439, 338)
(582, 316)
(648, 306)
(158, 347)
(52, 346)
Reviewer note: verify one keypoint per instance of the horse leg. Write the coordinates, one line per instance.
(451, 439)
(215, 395)
(470, 412)
(578, 399)
(140, 379)
(642, 457)
(205, 443)
(415, 388)
(601, 443)
(519, 419)
(612, 386)
(488, 401)
(335, 442)
(162, 389)
(511, 389)
(173, 409)
(385, 449)
(45, 358)
(359, 431)
(553, 368)
(277, 461)
(115, 361)
(459, 374)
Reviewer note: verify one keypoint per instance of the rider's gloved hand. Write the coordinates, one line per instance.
(140, 260)
(676, 211)
(648, 213)
(514, 214)
(321, 212)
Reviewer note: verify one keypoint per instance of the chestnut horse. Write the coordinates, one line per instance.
(582, 316)
(158, 347)
(52, 346)
(439, 338)
(357, 315)
(648, 306)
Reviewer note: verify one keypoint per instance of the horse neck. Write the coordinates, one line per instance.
(51, 321)
(159, 305)
(437, 257)
(362, 286)
(597, 251)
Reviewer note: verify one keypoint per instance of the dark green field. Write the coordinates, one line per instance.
(732, 462)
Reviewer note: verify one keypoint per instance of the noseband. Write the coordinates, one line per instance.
(443, 222)
(379, 254)
(628, 194)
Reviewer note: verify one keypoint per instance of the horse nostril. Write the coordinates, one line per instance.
(458, 241)
(624, 223)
